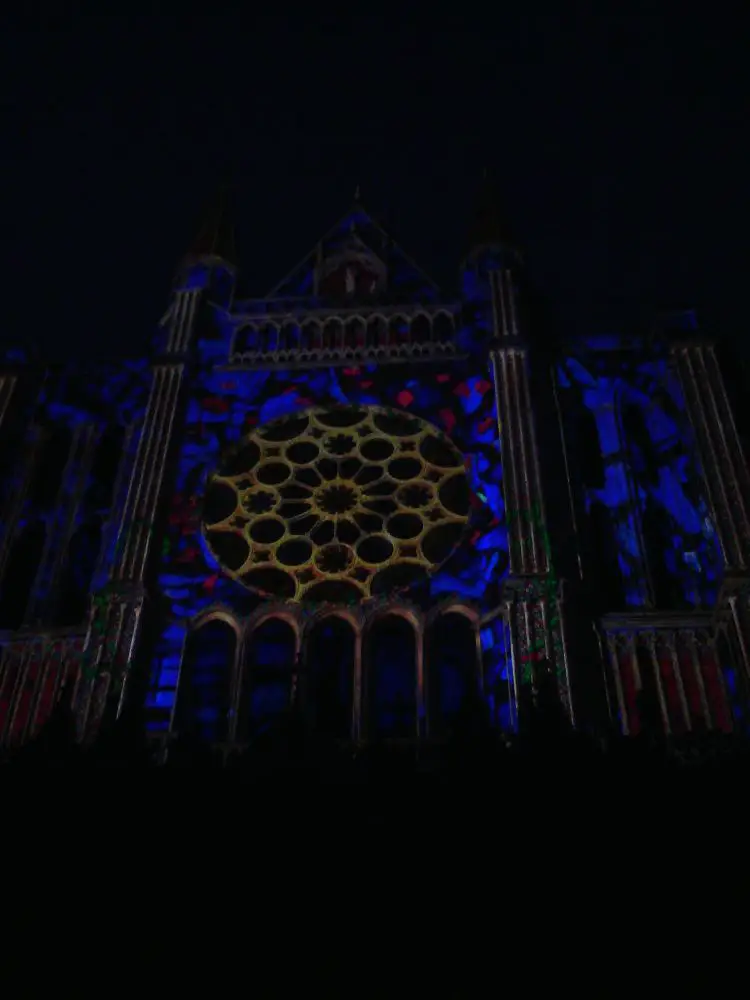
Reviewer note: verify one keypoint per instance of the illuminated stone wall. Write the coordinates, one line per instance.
(454, 402)
(74, 431)
(453, 406)
(316, 478)
(639, 480)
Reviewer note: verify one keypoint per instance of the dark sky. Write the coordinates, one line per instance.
(621, 143)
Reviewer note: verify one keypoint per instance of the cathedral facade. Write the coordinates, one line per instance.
(372, 502)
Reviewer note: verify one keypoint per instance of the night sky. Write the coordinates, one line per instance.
(621, 145)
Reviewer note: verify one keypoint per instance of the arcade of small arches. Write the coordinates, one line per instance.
(398, 675)
(342, 335)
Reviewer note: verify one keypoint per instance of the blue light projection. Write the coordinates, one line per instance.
(78, 414)
(648, 481)
(640, 485)
(227, 405)
(230, 403)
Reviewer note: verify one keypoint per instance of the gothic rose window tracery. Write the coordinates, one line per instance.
(329, 506)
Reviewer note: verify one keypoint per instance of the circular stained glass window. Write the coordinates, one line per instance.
(337, 505)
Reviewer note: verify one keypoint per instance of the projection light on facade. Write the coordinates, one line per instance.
(337, 504)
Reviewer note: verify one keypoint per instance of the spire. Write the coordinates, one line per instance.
(357, 195)
(216, 235)
(489, 226)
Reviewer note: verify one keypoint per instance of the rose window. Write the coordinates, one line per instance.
(337, 505)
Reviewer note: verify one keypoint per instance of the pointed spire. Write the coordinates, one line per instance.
(216, 235)
(489, 226)
(357, 195)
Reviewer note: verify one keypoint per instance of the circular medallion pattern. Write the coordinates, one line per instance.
(337, 504)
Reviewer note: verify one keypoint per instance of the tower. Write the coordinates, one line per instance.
(204, 281)
(500, 306)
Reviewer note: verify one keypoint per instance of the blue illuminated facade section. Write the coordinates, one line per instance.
(228, 405)
(456, 397)
(65, 470)
(649, 479)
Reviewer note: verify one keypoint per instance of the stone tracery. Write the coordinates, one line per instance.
(337, 504)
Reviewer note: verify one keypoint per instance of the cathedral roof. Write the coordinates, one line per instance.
(359, 238)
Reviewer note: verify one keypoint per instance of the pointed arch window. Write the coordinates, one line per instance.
(391, 697)
(204, 692)
(377, 332)
(312, 336)
(247, 340)
(452, 671)
(333, 335)
(354, 334)
(269, 338)
(330, 663)
(399, 331)
(265, 694)
(421, 329)
(442, 327)
(290, 337)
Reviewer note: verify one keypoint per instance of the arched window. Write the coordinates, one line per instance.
(399, 331)
(442, 327)
(377, 332)
(333, 335)
(290, 337)
(391, 698)
(20, 573)
(312, 336)
(354, 334)
(452, 671)
(204, 693)
(421, 329)
(330, 656)
(269, 338)
(247, 340)
(78, 569)
(267, 676)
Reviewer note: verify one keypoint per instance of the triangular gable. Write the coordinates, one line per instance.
(358, 235)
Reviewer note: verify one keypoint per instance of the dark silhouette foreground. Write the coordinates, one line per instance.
(548, 834)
